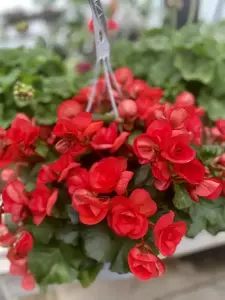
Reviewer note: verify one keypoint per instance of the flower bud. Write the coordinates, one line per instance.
(127, 108)
(222, 159)
(185, 99)
(23, 92)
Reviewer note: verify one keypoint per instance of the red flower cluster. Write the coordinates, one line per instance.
(111, 25)
(167, 145)
(94, 165)
(17, 256)
(20, 204)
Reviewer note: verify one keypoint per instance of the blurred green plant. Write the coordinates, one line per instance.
(192, 58)
(34, 81)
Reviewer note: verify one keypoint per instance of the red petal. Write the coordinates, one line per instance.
(160, 132)
(162, 185)
(69, 109)
(37, 220)
(82, 121)
(163, 222)
(177, 117)
(51, 202)
(143, 147)
(123, 182)
(112, 25)
(119, 141)
(28, 282)
(210, 188)
(185, 99)
(67, 170)
(193, 171)
(93, 128)
(142, 199)
(91, 26)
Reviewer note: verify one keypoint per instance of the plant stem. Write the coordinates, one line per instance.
(192, 11)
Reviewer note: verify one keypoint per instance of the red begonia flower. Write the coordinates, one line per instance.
(57, 171)
(168, 234)
(69, 109)
(15, 199)
(111, 25)
(178, 150)
(160, 133)
(144, 148)
(209, 188)
(42, 202)
(24, 245)
(76, 133)
(109, 174)
(161, 170)
(145, 265)
(126, 219)
(78, 179)
(193, 172)
(142, 200)
(23, 131)
(91, 210)
(109, 139)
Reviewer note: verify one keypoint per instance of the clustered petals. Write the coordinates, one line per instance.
(92, 169)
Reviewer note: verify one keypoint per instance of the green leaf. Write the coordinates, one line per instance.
(208, 152)
(52, 265)
(30, 186)
(9, 79)
(141, 176)
(162, 70)
(59, 273)
(157, 40)
(86, 277)
(98, 244)
(209, 215)
(45, 114)
(188, 36)
(42, 233)
(41, 148)
(195, 67)
(57, 85)
(120, 264)
(181, 199)
(196, 227)
(215, 107)
(68, 235)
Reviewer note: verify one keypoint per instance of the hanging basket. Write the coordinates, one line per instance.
(95, 192)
